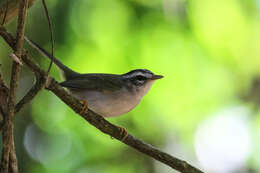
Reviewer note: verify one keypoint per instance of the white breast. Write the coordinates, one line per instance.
(113, 103)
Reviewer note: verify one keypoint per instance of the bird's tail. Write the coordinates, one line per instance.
(68, 73)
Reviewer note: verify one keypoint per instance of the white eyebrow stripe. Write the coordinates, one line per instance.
(134, 74)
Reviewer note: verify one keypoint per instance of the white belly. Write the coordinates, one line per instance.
(113, 103)
(109, 104)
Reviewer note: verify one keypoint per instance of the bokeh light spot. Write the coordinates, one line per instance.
(223, 142)
(46, 148)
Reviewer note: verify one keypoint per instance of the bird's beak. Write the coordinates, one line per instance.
(155, 77)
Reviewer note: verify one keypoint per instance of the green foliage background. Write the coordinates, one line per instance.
(208, 51)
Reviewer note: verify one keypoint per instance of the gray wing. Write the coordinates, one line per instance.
(93, 82)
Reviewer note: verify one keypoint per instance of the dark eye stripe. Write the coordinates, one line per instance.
(139, 77)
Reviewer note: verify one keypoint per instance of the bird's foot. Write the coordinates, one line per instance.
(84, 107)
(123, 133)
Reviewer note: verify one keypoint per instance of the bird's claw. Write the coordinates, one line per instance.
(123, 133)
(84, 107)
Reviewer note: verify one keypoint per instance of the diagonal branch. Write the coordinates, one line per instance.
(8, 138)
(101, 123)
(110, 129)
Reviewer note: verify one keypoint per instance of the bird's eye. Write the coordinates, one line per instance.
(140, 78)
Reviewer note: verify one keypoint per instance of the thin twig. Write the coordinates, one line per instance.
(51, 34)
(102, 124)
(7, 37)
(6, 9)
(16, 59)
(31, 93)
(8, 120)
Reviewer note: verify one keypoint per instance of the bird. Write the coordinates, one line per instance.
(108, 95)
